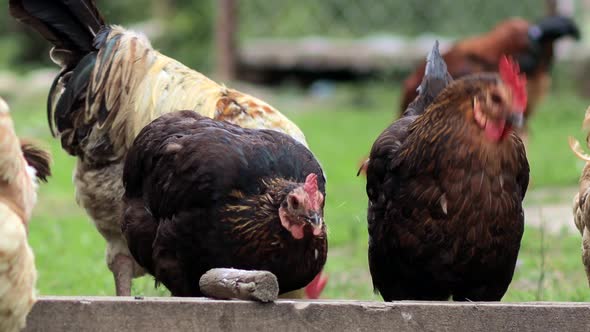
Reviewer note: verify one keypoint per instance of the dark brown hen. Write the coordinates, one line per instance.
(202, 194)
(445, 194)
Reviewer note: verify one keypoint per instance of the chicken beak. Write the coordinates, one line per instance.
(516, 119)
(315, 219)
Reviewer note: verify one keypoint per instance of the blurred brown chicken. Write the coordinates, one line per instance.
(530, 44)
(581, 204)
(445, 186)
(112, 84)
(21, 165)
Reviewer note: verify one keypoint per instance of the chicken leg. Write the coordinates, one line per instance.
(122, 268)
(100, 192)
(121, 263)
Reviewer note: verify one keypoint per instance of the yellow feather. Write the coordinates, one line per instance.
(17, 272)
(144, 84)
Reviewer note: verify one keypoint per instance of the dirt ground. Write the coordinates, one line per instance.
(551, 208)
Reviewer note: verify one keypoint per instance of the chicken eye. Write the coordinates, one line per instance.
(294, 202)
(496, 99)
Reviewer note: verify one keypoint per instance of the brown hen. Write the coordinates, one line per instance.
(445, 188)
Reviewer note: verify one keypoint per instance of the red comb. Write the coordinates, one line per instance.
(311, 188)
(510, 73)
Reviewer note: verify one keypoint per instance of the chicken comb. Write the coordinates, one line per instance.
(311, 188)
(510, 73)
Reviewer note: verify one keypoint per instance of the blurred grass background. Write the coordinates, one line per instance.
(340, 127)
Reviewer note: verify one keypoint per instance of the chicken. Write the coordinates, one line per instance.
(112, 84)
(445, 185)
(530, 44)
(203, 194)
(581, 206)
(21, 165)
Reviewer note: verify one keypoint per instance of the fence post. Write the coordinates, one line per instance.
(551, 7)
(225, 39)
(162, 9)
(560, 7)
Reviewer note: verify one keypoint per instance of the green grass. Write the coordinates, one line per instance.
(340, 129)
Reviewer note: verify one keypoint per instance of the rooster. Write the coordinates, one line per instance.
(530, 44)
(21, 165)
(445, 185)
(203, 194)
(111, 85)
(581, 206)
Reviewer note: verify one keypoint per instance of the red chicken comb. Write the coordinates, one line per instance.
(311, 188)
(510, 73)
(316, 286)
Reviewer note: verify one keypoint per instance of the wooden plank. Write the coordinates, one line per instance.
(198, 314)
(323, 54)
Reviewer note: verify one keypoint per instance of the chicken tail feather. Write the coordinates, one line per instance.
(576, 147)
(363, 167)
(435, 64)
(436, 78)
(37, 158)
(69, 25)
